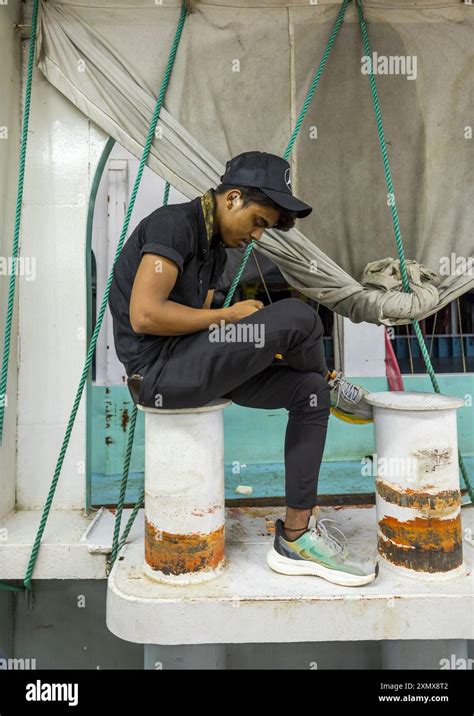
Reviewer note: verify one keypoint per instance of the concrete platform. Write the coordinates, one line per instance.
(73, 546)
(249, 602)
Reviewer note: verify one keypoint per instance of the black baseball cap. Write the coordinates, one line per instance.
(269, 173)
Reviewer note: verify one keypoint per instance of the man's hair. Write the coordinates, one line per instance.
(252, 195)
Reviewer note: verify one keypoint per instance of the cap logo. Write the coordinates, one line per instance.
(288, 178)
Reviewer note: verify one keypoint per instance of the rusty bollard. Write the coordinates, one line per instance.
(417, 487)
(184, 493)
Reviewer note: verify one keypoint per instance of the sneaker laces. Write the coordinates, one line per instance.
(330, 539)
(348, 390)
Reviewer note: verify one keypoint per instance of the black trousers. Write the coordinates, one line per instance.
(243, 368)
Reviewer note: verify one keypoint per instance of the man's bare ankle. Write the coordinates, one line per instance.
(297, 518)
(292, 534)
(296, 522)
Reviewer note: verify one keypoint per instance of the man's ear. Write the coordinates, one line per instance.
(233, 197)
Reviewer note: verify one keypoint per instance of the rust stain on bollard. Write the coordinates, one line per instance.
(430, 505)
(181, 554)
(427, 545)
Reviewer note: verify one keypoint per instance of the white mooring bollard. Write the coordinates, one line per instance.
(417, 488)
(184, 492)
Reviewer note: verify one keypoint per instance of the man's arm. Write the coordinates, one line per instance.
(151, 311)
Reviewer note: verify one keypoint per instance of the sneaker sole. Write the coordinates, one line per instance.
(285, 565)
(349, 418)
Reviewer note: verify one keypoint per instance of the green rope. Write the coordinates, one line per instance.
(123, 485)
(131, 519)
(299, 122)
(91, 349)
(396, 225)
(314, 83)
(166, 194)
(16, 232)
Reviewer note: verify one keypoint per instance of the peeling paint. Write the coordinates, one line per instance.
(430, 505)
(125, 419)
(183, 553)
(429, 459)
(426, 545)
(108, 413)
(210, 510)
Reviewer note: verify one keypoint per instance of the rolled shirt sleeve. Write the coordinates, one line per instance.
(161, 237)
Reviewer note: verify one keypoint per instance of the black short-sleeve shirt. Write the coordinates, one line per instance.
(178, 232)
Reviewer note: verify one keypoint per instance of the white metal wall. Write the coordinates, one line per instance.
(63, 151)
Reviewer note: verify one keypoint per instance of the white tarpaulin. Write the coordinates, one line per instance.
(241, 73)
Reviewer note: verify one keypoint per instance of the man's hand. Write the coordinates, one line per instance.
(239, 310)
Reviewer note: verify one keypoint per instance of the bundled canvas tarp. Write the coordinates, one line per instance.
(241, 73)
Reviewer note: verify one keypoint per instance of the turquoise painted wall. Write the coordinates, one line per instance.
(254, 442)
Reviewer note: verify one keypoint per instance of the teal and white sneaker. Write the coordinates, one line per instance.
(348, 400)
(319, 553)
